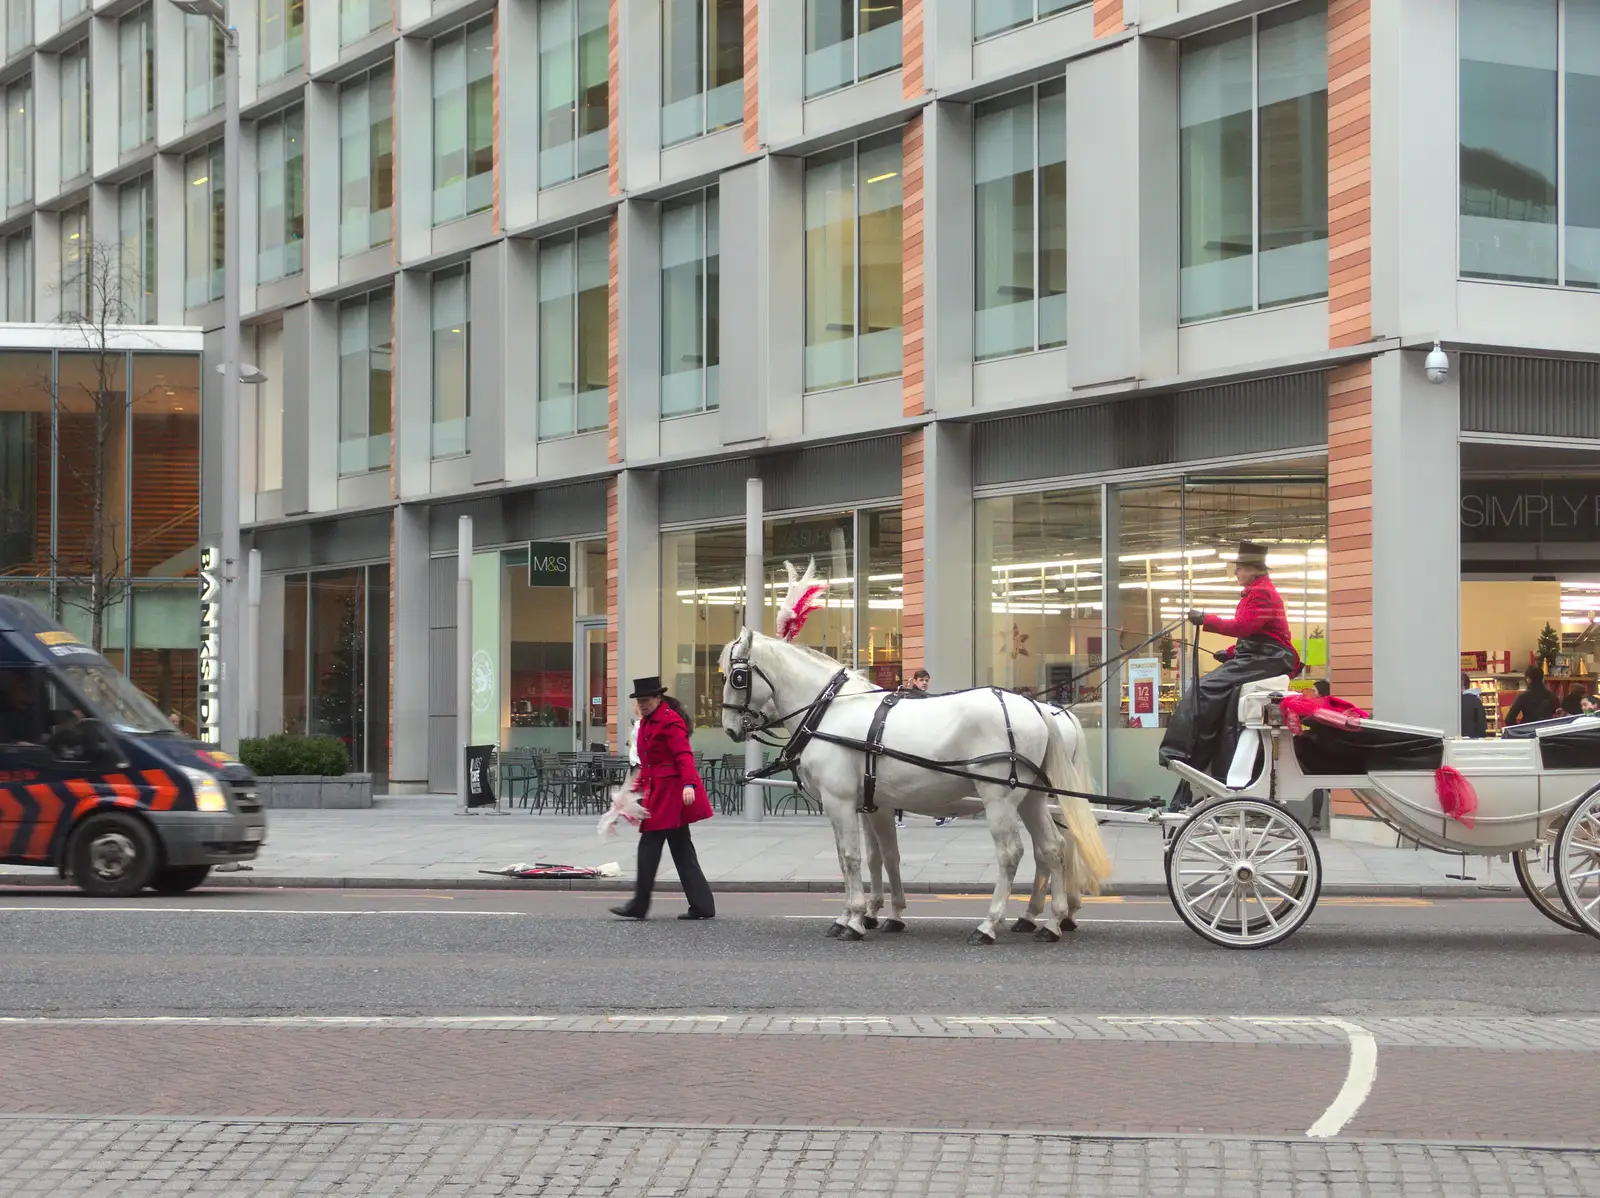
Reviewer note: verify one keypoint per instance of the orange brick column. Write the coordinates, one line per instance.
(913, 395)
(1349, 172)
(618, 723)
(752, 76)
(1108, 20)
(912, 537)
(614, 94)
(912, 54)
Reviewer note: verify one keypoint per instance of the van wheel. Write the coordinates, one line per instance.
(178, 879)
(112, 855)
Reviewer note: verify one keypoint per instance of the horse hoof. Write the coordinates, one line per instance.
(869, 922)
(1046, 936)
(835, 930)
(977, 937)
(891, 926)
(852, 934)
(1024, 925)
(1069, 924)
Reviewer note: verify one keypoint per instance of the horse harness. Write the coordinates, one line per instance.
(873, 747)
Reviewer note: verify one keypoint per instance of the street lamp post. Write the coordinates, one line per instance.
(229, 690)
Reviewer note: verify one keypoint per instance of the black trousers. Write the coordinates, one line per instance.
(695, 886)
(1204, 728)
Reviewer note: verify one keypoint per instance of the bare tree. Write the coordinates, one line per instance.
(94, 305)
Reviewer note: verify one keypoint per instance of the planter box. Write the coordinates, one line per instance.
(289, 791)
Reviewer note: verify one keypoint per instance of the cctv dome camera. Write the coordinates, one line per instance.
(1437, 364)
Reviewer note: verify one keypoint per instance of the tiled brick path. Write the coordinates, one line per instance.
(423, 1160)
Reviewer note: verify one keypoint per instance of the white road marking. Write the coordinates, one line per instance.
(968, 919)
(137, 909)
(1358, 1079)
(667, 1018)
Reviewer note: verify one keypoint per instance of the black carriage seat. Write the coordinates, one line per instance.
(1370, 746)
(1569, 742)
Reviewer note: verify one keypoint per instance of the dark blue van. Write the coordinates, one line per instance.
(94, 780)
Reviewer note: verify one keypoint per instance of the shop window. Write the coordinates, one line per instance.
(1021, 229)
(1039, 628)
(881, 654)
(452, 362)
(165, 419)
(165, 658)
(574, 332)
(540, 691)
(691, 266)
(853, 261)
(990, 17)
(336, 661)
(575, 89)
(849, 40)
(702, 67)
(24, 464)
(1253, 163)
(1530, 141)
(463, 122)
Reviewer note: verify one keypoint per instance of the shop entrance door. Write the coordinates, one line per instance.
(591, 710)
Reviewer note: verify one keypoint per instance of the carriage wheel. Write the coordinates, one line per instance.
(1244, 873)
(1577, 862)
(1535, 870)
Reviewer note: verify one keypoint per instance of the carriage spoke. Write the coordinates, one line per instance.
(1209, 851)
(1279, 890)
(1282, 848)
(1199, 900)
(1217, 918)
(1271, 918)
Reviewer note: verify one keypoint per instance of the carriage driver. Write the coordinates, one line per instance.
(1262, 649)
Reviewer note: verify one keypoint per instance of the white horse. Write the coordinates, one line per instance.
(770, 679)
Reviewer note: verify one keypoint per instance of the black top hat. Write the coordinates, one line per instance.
(1253, 555)
(647, 688)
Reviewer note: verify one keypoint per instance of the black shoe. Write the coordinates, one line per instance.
(628, 912)
(695, 915)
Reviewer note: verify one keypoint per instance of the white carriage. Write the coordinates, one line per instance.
(1244, 872)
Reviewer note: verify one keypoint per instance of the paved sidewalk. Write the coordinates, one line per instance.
(111, 1158)
(426, 841)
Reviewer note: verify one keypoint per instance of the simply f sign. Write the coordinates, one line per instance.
(1531, 512)
(549, 564)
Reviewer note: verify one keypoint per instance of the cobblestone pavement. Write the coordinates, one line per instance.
(478, 1160)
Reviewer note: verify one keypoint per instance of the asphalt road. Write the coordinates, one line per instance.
(475, 952)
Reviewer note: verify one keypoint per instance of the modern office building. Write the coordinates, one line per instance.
(1025, 311)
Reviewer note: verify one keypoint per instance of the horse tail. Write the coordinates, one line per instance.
(1067, 761)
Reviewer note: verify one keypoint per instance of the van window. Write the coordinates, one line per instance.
(24, 717)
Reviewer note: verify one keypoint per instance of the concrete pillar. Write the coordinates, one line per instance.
(409, 641)
(949, 587)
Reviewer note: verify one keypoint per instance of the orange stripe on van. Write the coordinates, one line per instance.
(44, 827)
(166, 790)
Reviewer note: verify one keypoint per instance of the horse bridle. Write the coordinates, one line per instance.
(742, 672)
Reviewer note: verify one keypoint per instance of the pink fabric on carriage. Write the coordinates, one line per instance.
(1340, 713)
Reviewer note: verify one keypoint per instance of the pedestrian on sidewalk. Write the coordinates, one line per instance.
(917, 688)
(671, 789)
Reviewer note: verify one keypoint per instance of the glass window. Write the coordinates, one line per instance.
(92, 466)
(136, 243)
(853, 258)
(165, 662)
(76, 300)
(1021, 209)
(19, 277)
(574, 332)
(203, 53)
(357, 18)
(24, 462)
(452, 367)
(366, 336)
(203, 216)
(165, 420)
(269, 407)
(281, 211)
(463, 122)
(881, 650)
(1041, 624)
(366, 162)
(282, 38)
(136, 80)
(73, 66)
(19, 143)
(73, 8)
(575, 85)
(19, 26)
(990, 17)
(848, 40)
(690, 295)
(1253, 163)
(702, 67)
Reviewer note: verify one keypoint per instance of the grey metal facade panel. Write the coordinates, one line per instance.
(488, 523)
(1536, 397)
(442, 596)
(1285, 412)
(441, 671)
(296, 390)
(845, 474)
(568, 513)
(347, 541)
(442, 754)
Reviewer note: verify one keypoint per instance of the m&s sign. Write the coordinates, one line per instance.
(550, 564)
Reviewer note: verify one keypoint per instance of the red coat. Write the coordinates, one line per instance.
(666, 766)
(1260, 613)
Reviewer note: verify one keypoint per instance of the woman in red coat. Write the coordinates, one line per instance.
(669, 788)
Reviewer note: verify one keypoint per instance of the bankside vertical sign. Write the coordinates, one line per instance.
(210, 710)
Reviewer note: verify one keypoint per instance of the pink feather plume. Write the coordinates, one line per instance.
(806, 594)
